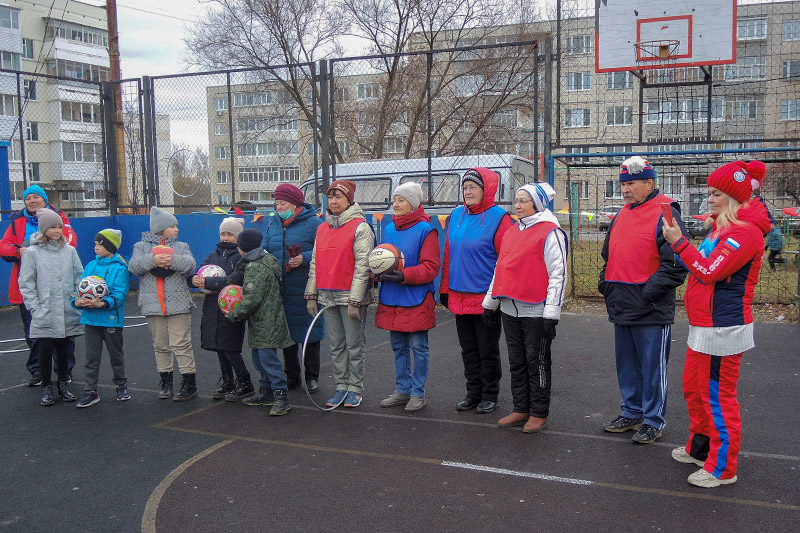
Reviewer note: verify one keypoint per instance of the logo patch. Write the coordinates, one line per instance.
(738, 176)
(754, 184)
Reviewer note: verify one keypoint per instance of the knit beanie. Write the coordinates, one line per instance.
(232, 225)
(249, 239)
(47, 219)
(35, 189)
(110, 239)
(636, 168)
(541, 194)
(290, 193)
(161, 220)
(346, 187)
(474, 176)
(738, 179)
(411, 191)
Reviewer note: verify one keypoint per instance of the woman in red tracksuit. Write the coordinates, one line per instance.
(724, 272)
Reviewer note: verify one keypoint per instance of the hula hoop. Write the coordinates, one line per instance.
(303, 364)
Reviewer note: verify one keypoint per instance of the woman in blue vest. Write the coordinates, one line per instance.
(290, 239)
(528, 287)
(474, 235)
(406, 305)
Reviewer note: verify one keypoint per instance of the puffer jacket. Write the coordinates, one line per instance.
(723, 280)
(114, 270)
(301, 230)
(216, 331)
(361, 289)
(48, 277)
(775, 239)
(261, 302)
(175, 298)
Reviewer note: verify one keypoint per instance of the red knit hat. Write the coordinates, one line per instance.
(289, 193)
(738, 179)
(346, 187)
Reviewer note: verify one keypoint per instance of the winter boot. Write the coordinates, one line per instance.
(65, 393)
(188, 388)
(281, 405)
(262, 397)
(244, 388)
(226, 386)
(47, 395)
(166, 386)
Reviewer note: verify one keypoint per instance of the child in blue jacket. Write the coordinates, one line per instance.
(103, 319)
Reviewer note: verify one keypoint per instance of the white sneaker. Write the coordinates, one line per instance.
(704, 479)
(395, 399)
(680, 455)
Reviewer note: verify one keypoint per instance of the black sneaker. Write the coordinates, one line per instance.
(647, 434)
(88, 398)
(622, 424)
(35, 381)
(122, 394)
(262, 397)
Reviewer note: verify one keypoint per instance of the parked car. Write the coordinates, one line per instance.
(695, 227)
(604, 217)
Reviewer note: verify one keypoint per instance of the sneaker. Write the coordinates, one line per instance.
(395, 399)
(622, 424)
(337, 399)
(416, 403)
(707, 480)
(35, 381)
(262, 397)
(680, 455)
(122, 394)
(353, 399)
(88, 398)
(647, 434)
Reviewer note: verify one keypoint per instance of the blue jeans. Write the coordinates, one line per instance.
(403, 344)
(270, 369)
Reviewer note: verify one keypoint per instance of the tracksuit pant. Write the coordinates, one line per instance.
(347, 338)
(95, 336)
(715, 425)
(480, 350)
(642, 353)
(530, 364)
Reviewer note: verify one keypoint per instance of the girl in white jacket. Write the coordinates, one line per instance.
(49, 273)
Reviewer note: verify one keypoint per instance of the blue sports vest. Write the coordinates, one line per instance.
(472, 253)
(409, 241)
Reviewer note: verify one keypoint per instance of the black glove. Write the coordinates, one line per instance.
(395, 276)
(444, 298)
(549, 330)
(489, 318)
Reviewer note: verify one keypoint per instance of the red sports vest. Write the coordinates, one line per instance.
(521, 273)
(335, 262)
(632, 252)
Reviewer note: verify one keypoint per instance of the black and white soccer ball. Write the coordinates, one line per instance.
(92, 286)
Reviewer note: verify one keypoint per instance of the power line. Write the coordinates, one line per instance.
(165, 15)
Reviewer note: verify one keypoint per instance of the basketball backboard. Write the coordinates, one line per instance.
(647, 34)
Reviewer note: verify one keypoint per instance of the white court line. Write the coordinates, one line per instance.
(517, 473)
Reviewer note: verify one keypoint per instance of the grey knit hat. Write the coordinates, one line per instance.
(411, 191)
(161, 220)
(232, 225)
(47, 219)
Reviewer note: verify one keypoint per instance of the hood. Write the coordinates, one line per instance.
(538, 218)
(490, 183)
(116, 258)
(253, 254)
(405, 221)
(756, 213)
(335, 221)
(36, 240)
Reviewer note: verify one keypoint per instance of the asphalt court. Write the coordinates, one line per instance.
(201, 465)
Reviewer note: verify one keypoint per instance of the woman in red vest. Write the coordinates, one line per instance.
(724, 272)
(339, 280)
(528, 286)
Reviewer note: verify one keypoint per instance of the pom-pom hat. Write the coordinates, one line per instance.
(738, 179)
(636, 168)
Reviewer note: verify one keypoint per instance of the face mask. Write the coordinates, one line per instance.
(286, 215)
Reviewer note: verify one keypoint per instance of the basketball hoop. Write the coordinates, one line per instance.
(657, 50)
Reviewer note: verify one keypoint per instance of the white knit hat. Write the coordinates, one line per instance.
(232, 225)
(541, 193)
(411, 191)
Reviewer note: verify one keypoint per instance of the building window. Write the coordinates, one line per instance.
(222, 177)
(253, 99)
(467, 85)
(578, 44)
(9, 18)
(790, 109)
(791, 30)
(222, 199)
(27, 48)
(221, 152)
(619, 115)
(76, 70)
(367, 91)
(220, 128)
(744, 109)
(93, 190)
(9, 60)
(505, 119)
(577, 118)
(220, 104)
(583, 189)
(8, 105)
(747, 68)
(32, 131)
(33, 172)
(268, 173)
(751, 28)
(77, 32)
(341, 94)
(394, 145)
(81, 152)
(791, 69)
(620, 80)
(80, 112)
(268, 148)
(579, 81)
(613, 189)
(29, 89)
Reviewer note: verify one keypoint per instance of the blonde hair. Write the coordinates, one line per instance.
(61, 240)
(727, 217)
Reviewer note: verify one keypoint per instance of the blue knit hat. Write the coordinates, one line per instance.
(35, 189)
(636, 168)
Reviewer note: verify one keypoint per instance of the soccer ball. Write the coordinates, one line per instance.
(92, 286)
(385, 258)
(230, 297)
(210, 271)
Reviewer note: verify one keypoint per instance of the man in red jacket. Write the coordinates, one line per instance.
(12, 246)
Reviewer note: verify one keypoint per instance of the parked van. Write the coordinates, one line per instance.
(375, 180)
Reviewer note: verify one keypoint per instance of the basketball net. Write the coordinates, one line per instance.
(659, 52)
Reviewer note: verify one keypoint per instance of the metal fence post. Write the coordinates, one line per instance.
(112, 171)
(149, 141)
(429, 105)
(324, 123)
(548, 107)
(20, 125)
(230, 138)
